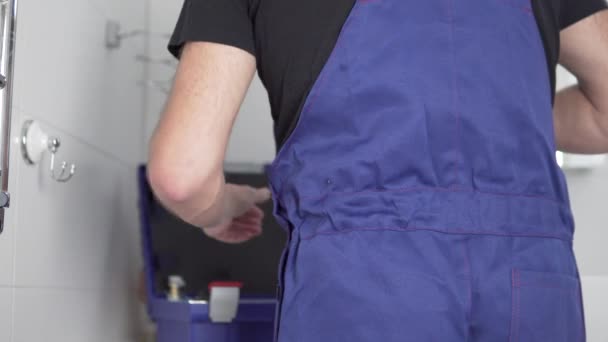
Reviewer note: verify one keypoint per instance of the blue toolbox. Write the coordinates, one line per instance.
(199, 289)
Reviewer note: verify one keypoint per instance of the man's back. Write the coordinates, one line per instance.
(416, 173)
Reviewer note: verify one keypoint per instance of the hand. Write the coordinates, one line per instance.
(243, 216)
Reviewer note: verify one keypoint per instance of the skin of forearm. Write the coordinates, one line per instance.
(581, 125)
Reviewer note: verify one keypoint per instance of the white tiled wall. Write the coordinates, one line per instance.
(6, 319)
(91, 244)
(589, 195)
(7, 252)
(69, 315)
(70, 253)
(596, 307)
(7, 238)
(63, 65)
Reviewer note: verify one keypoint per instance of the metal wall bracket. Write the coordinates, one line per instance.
(115, 35)
(35, 142)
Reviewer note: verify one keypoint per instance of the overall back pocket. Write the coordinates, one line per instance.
(546, 307)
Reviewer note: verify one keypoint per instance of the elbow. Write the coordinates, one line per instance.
(181, 189)
(169, 184)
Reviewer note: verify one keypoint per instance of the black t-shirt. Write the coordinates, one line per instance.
(292, 40)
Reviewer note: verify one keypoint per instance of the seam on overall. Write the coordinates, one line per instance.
(469, 273)
(515, 306)
(518, 304)
(439, 230)
(513, 289)
(581, 306)
(431, 188)
(281, 289)
(455, 93)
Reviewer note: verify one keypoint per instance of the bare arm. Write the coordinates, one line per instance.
(188, 147)
(581, 111)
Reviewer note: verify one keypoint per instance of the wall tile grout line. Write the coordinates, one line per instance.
(16, 173)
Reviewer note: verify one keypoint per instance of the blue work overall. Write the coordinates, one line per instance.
(420, 188)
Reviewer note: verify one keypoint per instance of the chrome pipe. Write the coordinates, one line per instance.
(8, 30)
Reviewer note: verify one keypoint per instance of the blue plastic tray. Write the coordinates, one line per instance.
(188, 320)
